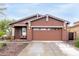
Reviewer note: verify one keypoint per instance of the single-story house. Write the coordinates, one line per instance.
(40, 27)
(74, 30)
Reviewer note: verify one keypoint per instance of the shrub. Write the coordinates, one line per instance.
(77, 43)
(9, 38)
(2, 33)
(2, 45)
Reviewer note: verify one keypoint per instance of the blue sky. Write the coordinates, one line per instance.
(69, 12)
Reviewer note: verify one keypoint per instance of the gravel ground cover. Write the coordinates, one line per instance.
(12, 49)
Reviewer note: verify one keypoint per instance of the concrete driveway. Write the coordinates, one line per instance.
(48, 49)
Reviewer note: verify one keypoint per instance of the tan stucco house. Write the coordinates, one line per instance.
(74, 29)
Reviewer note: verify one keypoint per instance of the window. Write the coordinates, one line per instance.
(45, 28)
(42, 28)
(35, 28)
(48, 29)
(39, 28)
(23, 31)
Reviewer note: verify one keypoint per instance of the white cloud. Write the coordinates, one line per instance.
(61, 8)
(25, 11)
(12, 17)
(65, 11)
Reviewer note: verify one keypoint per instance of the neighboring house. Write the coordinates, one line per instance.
(74, 30)
(40, 27)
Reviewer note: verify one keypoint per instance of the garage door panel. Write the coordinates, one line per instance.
(54, 34)
(47, 34)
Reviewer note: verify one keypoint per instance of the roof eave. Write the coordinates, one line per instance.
(25, 18)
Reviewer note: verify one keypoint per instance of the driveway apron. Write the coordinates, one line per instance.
(41, 49)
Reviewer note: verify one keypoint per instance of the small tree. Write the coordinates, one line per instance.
(4, 25)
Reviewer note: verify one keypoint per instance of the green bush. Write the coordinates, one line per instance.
(2, 45)
(1, 33)
(77, 43)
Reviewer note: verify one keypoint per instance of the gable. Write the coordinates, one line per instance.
(21, 23)
(40, 20)
(25, 21)
(44, 22)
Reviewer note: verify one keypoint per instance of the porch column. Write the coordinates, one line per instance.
(29, 32)
(13, 31)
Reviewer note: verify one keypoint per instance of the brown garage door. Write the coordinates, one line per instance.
(46, 34)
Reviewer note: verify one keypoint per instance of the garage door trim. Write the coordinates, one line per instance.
(60, 32)
(49, 26)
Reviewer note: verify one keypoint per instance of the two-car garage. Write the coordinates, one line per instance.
(47, 33)
(48, 29)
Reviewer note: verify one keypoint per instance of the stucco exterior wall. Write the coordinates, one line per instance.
(29, 34)
(43, 22)
(75, 30)
(64, 35)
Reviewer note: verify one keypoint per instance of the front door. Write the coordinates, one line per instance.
(23, 33)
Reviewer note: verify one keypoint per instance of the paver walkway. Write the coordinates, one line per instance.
(42, 49)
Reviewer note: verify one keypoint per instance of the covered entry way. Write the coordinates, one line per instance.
(47, 34)
(71, 35)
